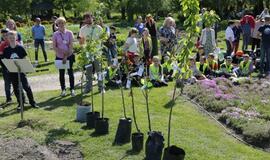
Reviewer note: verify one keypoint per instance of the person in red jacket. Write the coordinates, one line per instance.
(248, 25)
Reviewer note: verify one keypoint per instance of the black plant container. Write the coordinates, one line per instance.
(102, 126)
(123, 131)
(154, 146)
(137, 141)
(91, 119)
(174, 153)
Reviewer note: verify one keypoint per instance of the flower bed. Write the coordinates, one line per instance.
(245, 108)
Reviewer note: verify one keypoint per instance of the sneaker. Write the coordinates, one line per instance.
(86, 90)
(47, 60)
(8, 101)
(35, 64)
(18, 108)
(63, 93)
(72, 93)
(102, 90)
(34, 105)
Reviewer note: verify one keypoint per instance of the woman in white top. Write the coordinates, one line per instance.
(131, 45)
(208, 40)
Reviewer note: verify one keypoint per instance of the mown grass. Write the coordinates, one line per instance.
(199, 135)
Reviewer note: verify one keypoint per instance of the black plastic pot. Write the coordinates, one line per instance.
(154, 146)
(123, 131)
(91, 119)
(137, 141)
(174, 153)
(102, 126)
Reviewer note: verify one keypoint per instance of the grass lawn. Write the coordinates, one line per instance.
(200, 136)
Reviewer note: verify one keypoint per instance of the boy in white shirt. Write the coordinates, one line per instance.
(229, 38)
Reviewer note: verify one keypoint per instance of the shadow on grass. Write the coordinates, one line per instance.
(12, 111)
(86, 128)
(56, 134)
(44, 64)
(56, 102)
(130, 153)
(170, 104)
(94, 134)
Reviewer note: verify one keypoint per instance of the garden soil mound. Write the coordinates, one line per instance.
(28, 149)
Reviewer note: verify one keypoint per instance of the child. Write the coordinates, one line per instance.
(245, 67)
(229, 35)
(4, 43)
(146, 47)
(167, 68)
(202, 66)
(199, 53)
(15, 51)
(111, 44)
(136, 70)
(131, 45)
(212, 63)
(112, 76)
(226, 69)
(156, 73)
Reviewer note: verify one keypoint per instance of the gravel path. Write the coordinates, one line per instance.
(44, 82)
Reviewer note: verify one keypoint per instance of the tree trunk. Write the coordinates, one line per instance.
(108, 14)
(63, 11)
(123, 13)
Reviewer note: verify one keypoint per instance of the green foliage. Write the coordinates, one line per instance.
(210, 18)
(257, 133)
(190, 10)
(92, 50)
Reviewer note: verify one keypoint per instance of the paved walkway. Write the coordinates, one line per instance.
(44, 82)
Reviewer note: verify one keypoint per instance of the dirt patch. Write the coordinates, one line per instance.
(28, 149)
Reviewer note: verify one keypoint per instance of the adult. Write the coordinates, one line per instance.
(11, 26)
(256, 41)
(151, 26)
(265, 45)
(237, 30)
(139, 25)
(229, 35)
(4, 43)
(167, 36)
(38, 33)
(63, 46)
(54, 25)
(16, 51)
(89, 32)
(208, 40)
(248, 25)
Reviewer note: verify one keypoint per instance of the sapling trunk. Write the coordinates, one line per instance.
(102, 92)
(133, 110)
(123, 100)
(170, 115)
(81, 100)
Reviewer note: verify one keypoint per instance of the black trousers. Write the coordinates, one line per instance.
(70, 73)
(255, 43)
(15, 83)
(7, 82)
(42, 44)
